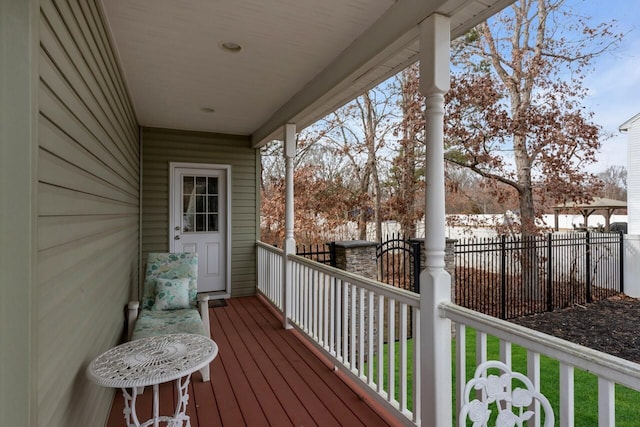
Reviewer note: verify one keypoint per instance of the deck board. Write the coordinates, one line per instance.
(263, 376)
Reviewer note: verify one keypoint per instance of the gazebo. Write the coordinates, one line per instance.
(586, 209)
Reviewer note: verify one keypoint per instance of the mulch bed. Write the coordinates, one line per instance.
(609, 325)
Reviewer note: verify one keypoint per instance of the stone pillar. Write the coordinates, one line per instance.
(357, 256)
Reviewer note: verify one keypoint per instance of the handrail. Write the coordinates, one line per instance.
(601, 364)
(269, 247)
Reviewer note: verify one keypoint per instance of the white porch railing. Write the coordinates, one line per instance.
(610, 370)
(270, 278)
(352, 320)
(343, 313)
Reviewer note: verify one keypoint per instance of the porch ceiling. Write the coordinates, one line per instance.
(300, 59)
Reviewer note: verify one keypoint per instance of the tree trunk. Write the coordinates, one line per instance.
(529, 255)
(407, 184)
(362, 224)
(378, 201)
(370, 140)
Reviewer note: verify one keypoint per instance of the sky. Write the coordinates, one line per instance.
(614, 86)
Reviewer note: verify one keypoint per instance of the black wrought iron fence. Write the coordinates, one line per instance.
(398, 261)
(509, 277)
(325, 253)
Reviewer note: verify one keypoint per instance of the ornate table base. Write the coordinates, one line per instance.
(179, 418)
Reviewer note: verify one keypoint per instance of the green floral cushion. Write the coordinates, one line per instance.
(151, 323)
(169, 266)
(171, 294)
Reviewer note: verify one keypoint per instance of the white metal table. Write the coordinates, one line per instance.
(151, 361)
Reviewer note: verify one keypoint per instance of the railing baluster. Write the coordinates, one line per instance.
(294, 293)
(380, 348)
(332, 315)
(371, 339)
(481, 347)
(606, 403)
(533, 372)
(315, 296)
(361, 331)
(345, 322)
(391, 366)
(505, 352)
(461, 364)
(354, 315)
(566, 396)
(416, 368)
(339, 311)
(327, 306)
(402, 355)
(310, 290)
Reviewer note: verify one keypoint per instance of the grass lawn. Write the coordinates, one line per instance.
(585, 384)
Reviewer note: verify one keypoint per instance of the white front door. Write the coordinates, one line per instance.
(199, 220)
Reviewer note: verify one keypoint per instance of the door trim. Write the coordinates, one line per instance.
(227, 169)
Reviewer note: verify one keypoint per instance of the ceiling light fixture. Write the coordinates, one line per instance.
(230, 47)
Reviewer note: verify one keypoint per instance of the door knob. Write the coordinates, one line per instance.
(176, 238)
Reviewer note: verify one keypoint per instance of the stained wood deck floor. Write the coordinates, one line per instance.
(263, 376)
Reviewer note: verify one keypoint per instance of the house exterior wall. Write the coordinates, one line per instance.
(633, 178)
(88, 209)
(18, 117)
(161, 146)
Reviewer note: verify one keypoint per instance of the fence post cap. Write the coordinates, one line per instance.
(355, 244)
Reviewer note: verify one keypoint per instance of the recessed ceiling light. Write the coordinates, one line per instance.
(207, 110)
(230, 47)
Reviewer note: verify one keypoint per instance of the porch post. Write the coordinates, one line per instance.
(435, 282)
(289, 241)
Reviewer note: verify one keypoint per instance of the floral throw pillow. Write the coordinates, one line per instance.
(171, 294)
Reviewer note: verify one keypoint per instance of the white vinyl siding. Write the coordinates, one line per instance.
(159, 147)
(88, 210)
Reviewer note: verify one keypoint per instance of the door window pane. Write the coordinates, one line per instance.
(201, 185)
(200, 222)
(200, 204)
(213, 185)
(213, 204)
(200, 208)
(187, 184)
(188, 223)
(188, 203)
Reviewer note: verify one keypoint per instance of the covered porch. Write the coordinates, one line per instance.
(102, 97)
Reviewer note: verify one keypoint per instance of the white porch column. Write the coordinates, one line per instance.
(289, 245)
(435, 282)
